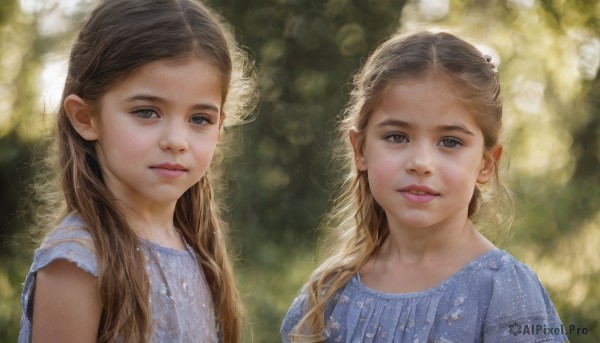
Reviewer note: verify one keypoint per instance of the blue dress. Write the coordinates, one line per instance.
(494, 298)
(182, 308)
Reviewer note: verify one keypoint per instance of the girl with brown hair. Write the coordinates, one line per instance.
(137, 249)
(406, 263)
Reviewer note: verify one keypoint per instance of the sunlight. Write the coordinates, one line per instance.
(528, 95)
(52, 81)
(589, 59)
(433, 10)
(52, 15)
(64, 6)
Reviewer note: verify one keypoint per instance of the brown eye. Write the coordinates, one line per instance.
(199, 120)
(450, 142)
(396, 138)
(146, 113)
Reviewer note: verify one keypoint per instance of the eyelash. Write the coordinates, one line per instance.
(455, 141)
(142, 110)
(206, 119)
(141, 113)
(392, 137)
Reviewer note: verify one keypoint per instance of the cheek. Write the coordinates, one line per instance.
(204, 147)
(461, 171)
(121, 144)
(204, 155)
(382, 168)
(117, 130)
(128, 142)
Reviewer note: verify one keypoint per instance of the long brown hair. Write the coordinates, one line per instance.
(117, 38)
(357, 225)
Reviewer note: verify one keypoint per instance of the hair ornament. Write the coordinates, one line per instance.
(488, 61)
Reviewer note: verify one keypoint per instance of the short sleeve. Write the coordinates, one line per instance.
(295, 313)
(71, 243)
(520, 309)
(67, 242)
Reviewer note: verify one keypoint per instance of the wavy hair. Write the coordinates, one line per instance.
(116, 39)
(357, 225)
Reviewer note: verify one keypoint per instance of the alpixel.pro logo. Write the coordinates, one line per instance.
(532, 329)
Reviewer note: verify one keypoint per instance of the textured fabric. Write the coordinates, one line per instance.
(492, 299)
(181, 304)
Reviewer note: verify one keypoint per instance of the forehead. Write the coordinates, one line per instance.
(431, 86)
(175, 65)
(185, 73)
(430, 100)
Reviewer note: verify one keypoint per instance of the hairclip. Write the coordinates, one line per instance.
(488, 61)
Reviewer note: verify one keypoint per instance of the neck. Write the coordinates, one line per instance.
(415, 245)
(154, 224)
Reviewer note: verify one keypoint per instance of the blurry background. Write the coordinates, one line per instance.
(547, 52)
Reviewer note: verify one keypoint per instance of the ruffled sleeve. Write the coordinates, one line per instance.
(520, 309)
(67, 242)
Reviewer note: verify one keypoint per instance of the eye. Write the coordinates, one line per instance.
(396, 138)
(450, 142)
(200, 120)
(146, 113)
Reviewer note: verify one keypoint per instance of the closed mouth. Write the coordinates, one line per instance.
(170, 166)
(419, 190)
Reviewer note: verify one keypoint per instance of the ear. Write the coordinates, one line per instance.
(359, 154)
(222, 119)
(491, 159)
(81, 117)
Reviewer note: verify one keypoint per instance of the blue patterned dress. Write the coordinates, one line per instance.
(494, 298)
(182, 308)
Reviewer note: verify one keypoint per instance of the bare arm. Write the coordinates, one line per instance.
(66, 305)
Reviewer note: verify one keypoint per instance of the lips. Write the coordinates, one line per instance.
(169, 170)
(418, 194)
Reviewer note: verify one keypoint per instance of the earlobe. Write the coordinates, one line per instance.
(81, 117)
(359, 155)
(491, 159)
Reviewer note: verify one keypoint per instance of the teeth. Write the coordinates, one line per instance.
(418, 192)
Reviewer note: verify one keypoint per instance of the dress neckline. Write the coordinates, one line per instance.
(168, 250)
(443, 285)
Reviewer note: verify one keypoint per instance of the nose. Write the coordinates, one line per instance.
(421, 159)
(174, 136)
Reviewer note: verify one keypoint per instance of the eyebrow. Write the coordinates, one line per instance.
(442, 128)
(461, 128)
(152, 98)
(393, 122)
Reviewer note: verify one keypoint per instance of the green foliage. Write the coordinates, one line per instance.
(15, 257)
(15, 174)
(307, 52)
(7, 8)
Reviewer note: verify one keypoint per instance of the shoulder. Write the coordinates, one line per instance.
(503, 279)
(515, 295)
(70, 241)
(507, 278)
